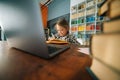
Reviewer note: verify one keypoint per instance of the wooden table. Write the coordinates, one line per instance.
(18, 65)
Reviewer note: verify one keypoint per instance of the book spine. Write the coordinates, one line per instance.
(94, 77)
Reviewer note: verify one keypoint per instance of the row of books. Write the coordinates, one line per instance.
(91, 27)
(83, 5)
(74, 16)
(74, 9)
(74, 29)
(105, 47)
(91, 3)
(82, 13)
(90, 11)
(88, 19)
(81, 20)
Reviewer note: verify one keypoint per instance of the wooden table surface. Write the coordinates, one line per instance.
(18, 65)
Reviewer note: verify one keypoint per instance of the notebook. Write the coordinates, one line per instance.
(21, 22)
(57, 41)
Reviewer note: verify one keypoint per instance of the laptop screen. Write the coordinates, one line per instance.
(21, 22)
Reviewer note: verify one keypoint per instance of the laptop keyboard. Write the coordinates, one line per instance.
(52, 49)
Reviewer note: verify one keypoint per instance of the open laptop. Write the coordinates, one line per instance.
(22, 23)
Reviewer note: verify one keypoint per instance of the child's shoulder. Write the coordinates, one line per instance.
(56, 35)
(71, 35)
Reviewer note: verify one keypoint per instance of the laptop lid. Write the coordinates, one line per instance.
(22, 23)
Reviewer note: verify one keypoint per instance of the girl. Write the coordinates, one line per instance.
(62, 28)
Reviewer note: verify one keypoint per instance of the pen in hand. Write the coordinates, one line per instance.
(52, 37)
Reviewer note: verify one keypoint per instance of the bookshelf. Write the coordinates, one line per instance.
(0, 34)
(84, 19)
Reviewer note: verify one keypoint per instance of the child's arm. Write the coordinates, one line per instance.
(73, 40)
(52, 37)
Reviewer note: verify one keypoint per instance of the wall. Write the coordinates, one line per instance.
(58, 8)
(74, 2)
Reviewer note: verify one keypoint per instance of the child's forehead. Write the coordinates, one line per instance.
(60, 27)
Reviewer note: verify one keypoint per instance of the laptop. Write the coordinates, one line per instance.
(21, 22)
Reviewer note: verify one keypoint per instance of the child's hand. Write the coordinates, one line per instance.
(51, 38)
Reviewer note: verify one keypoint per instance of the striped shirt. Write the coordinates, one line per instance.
(69, 38)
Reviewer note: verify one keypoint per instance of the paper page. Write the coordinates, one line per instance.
(84, 50)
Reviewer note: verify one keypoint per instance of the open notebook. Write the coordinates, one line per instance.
(57, 41)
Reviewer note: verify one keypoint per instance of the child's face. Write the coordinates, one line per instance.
(61, 30)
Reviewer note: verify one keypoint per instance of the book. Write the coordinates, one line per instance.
(114, 10)
(56, 41)
(104, 8)
(105, 53)
(111, 26)
(100, 71)
(106, 48)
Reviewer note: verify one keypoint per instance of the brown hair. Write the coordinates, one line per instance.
(62, 22)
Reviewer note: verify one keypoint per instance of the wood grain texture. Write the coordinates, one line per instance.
(18, 65)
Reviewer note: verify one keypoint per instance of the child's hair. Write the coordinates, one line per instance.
(62, 22)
